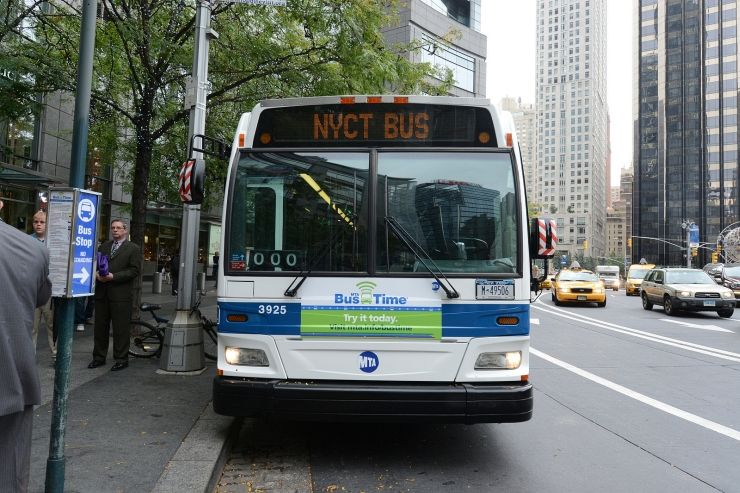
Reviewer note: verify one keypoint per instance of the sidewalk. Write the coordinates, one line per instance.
(133, 430)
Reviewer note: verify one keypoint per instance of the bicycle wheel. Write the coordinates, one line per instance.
(146, 340)
(210, 340)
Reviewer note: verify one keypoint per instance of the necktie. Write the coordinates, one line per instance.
(114, 248)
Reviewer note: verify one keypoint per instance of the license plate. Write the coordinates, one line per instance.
(710, 303)
(486, 289)
(582, 298)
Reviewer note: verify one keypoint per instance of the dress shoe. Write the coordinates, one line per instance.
(95, 363)
(120, 365)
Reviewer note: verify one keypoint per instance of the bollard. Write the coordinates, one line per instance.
(157, 283)
(202, 282)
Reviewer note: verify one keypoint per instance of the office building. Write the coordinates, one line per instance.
(524, 117)
(428, 22)
(572, 139)
(685, 104)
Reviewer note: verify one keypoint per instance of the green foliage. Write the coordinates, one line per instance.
(144, 55)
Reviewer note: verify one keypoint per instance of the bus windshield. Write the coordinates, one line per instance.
(310, 210)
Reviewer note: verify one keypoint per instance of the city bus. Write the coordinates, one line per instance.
(376, 263)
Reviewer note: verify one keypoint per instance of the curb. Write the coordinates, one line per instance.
(197, 464)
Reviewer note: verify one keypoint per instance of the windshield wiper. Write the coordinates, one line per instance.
(303, 275)
(417, 250)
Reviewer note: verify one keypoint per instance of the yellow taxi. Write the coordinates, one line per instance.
(546, 283)
(635, 274)
(576, 285)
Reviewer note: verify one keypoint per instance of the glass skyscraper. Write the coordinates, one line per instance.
(685, 159)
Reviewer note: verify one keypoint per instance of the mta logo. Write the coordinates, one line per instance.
(369, 361)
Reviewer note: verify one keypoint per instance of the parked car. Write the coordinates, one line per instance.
(715, 271)
(576, 285)
(729, 276)
(678, 289)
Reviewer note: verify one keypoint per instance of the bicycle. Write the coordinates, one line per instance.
(210, 340)
(147, 339)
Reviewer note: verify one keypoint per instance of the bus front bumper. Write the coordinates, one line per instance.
(373, 401)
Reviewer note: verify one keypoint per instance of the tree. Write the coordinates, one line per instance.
(143, 58)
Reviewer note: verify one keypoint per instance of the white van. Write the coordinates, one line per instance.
(610, 275)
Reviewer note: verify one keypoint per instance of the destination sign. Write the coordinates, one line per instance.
(346, 125)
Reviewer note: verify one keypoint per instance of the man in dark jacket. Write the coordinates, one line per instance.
(113, 296)
(175, 272)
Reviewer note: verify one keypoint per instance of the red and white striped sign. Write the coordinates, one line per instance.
(542, 226)
(186, 176)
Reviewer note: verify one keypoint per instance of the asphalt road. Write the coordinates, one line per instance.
(625, 400)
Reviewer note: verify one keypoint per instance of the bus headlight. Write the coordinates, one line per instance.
(246, 357)
(496, 361)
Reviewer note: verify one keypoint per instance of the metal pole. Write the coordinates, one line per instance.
(183, 346)
(688, 244)
(64, 307)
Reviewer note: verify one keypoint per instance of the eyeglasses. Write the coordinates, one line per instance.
(117, 227)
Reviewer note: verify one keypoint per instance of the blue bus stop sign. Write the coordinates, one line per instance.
(83, 243)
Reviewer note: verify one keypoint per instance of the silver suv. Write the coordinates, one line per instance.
(686, 289)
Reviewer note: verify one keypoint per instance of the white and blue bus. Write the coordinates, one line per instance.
(377, 263)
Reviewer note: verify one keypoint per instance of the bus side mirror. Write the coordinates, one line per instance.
(543, 238)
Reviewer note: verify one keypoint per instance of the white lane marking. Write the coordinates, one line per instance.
(689, 346)
(534, 321)
(693, 418)
(696, 326)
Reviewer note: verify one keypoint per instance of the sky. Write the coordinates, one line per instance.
(510, 27)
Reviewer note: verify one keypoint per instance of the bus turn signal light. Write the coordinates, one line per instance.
(507, 320)
(236, 317)
(509, 140)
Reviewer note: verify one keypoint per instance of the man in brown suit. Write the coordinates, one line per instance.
(113, 295)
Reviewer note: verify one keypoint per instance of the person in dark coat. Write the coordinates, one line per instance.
(175, 272)
(113, 296)
(216, 258)
(24, 275)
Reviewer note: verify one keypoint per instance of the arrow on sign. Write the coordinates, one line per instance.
(82, 276)
(697, 326)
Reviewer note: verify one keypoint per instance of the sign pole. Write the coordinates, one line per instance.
(183, 344)
(64, 306)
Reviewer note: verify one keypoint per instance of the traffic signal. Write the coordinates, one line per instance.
(585, 244)
(715, 257)
(694, 252)
(629, 242)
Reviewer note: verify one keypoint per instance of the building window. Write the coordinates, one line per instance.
(460, 64)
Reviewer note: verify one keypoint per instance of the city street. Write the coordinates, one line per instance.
(626, 400)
